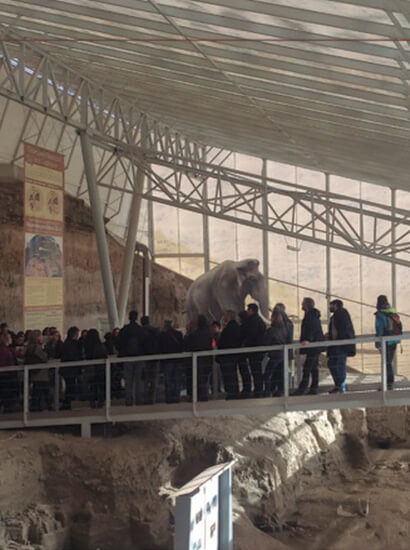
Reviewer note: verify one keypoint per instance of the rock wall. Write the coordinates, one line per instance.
(84, 298)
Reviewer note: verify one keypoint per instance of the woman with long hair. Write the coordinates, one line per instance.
(279, 334)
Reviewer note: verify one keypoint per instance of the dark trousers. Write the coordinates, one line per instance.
(173, 380)
(245, 374)
(70, 378)
(337, 367)
(41, 396)
(255, 364)
(204, 366)
(97, 386)
(230, 376)
(9, 390)
(390, 352)
(310, 369)
(273, 375)
(151, 381)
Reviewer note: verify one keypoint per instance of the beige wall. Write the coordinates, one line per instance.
(84, 299)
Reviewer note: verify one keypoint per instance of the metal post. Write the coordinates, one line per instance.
(89, 169)
(133, 219)
(328, 255)
(205, 225)
(265, 233)
(107, 389)
(393, 246)
(393, 266)
(26, 388)
(194, 383)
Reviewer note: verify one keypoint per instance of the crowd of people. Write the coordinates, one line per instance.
(243, 375)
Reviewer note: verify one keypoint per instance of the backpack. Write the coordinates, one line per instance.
(394, 324)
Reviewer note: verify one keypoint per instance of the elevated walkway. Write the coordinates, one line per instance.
(363, 391)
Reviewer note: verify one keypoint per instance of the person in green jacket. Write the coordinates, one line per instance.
(382, 322)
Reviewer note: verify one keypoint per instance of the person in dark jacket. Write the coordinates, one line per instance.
(54, 346)
(201, 340)
(94, 349)
(279, 334)
(71, 351)
(254, 331)
(9, 386)
(383, 315)
(151, 368)
(171, 341)
(311, 331)
(340, 328)
(131, 344)
(230, 338)
(243, 360)
(35, 354)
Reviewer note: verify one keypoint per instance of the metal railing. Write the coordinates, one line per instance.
(189, 360)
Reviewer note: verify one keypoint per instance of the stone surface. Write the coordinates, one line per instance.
(83, 284)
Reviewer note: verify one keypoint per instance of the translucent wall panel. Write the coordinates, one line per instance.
(311, 178)
(345, 275)
(249, 243)
(223, 240)
(166, 229)
(281, 171)
(376, 279)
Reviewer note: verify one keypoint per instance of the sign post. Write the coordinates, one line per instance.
(203, 516)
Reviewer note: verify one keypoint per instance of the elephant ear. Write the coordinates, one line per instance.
(247, 268)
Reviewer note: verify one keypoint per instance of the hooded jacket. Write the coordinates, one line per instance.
(341, 328)
(381, 324)
(311, 331)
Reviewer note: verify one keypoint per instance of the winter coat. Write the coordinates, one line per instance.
(341, 328)
(279, 335)
(7, 357)
(33, 356)
(229, 338)
(381, 324)
(150, 340)
(201, 340)
(311, 331)
(54, 349)
(254, 330)
(131, 340)
(171, 341)
(71, 351)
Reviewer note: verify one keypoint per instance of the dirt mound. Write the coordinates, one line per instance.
(297, 477)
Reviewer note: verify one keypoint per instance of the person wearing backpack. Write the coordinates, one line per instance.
(340, 328)
(388, 323)
(131, 344)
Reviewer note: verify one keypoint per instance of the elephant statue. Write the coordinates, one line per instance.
(226, 287)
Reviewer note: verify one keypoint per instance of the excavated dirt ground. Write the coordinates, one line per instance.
(301, 481)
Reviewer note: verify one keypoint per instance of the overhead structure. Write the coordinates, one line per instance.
(166, 90)
(310, 83)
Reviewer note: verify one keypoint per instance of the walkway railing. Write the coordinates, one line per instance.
(367, 393)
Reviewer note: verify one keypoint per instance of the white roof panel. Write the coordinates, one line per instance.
(321, 83)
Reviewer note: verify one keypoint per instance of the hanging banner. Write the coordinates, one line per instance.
(44, 234)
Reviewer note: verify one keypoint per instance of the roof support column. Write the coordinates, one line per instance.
(328, 254)
(89, 169)
(265, 233)
(133, 220)
(394, 266)
(205, 225)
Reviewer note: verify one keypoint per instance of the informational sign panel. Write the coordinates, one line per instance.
(203, 515)
(44, 234)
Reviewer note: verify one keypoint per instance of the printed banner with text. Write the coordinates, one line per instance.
(44, 238)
